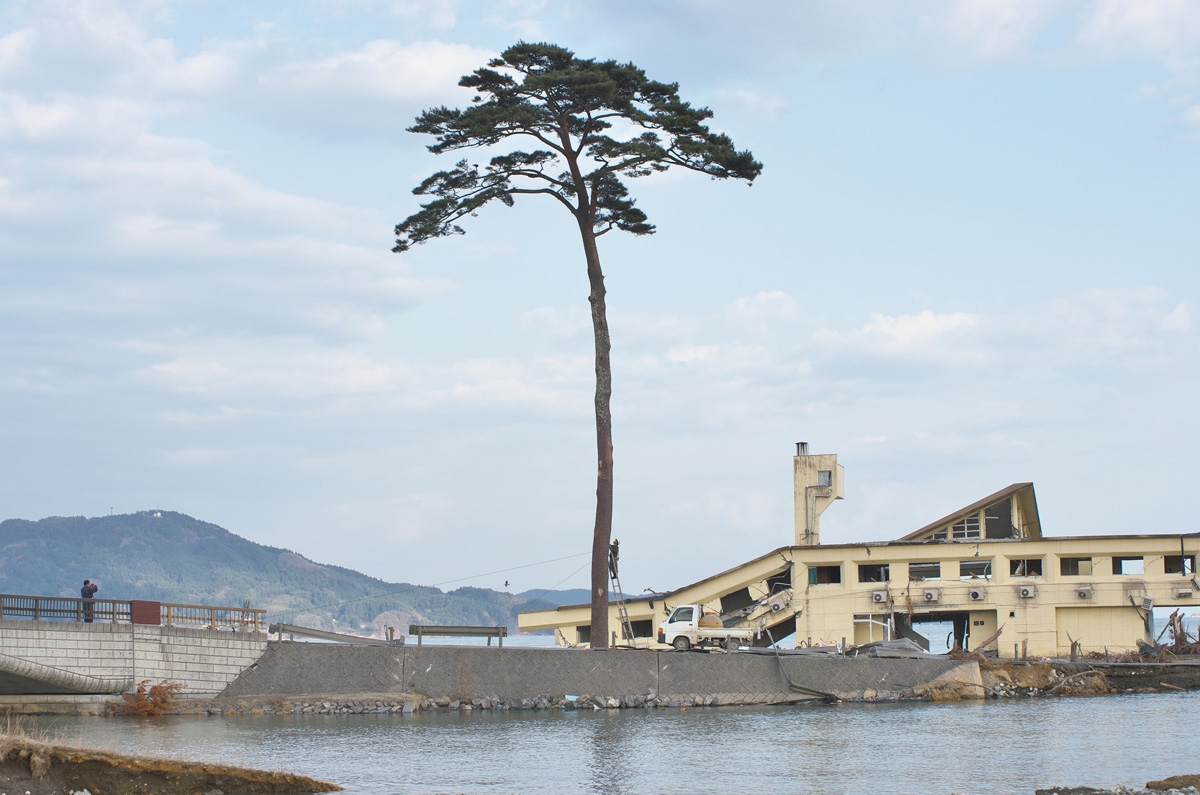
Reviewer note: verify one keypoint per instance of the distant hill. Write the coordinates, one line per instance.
(571, 596)
(172, 557)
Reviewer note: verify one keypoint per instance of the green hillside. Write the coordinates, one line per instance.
(171, 557)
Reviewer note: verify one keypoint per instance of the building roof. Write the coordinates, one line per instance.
(1032, 527)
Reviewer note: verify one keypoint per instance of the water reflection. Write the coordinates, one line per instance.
(994, 747)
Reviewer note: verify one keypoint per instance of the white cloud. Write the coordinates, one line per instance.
(236, 373)
(925, 334)
(768, 304)
(754, 101)
(382, 69)
(558, 384)
(15, 48)
(1167, 30)
(692, 353)
(989, 28)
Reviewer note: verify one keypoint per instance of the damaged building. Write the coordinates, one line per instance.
(983, 568)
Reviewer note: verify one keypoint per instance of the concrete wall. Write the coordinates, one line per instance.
(203, 661)
(518, 673)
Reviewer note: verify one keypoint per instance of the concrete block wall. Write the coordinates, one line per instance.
(475, 672)
(204, 661)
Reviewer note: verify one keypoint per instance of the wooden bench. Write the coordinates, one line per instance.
(421, 630)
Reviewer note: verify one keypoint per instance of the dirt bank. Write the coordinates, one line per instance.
(44, 769)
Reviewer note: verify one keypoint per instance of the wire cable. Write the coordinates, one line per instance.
(548, 590)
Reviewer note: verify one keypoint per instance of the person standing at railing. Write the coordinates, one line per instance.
(87, 592)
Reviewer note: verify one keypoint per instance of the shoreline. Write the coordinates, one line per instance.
(993, 680)
(45, 768)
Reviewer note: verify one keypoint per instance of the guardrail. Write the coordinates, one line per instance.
(423, 630)
(116, 611)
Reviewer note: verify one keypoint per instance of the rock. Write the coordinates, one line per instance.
(409, 707)
(870, 694)
(612, 703)
(1175, 782)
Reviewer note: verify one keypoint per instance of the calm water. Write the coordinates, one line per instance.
(993, 747)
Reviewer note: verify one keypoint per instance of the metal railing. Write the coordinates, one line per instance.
(116, 611)
(244, 619)
(58, 608)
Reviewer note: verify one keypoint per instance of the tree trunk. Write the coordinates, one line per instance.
(602, 533)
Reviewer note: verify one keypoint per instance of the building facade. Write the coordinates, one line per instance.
(985, 570)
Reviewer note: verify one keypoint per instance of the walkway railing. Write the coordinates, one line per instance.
(115, 611)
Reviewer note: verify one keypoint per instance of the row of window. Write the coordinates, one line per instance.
(976, 568)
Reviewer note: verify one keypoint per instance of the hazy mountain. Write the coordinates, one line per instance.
(174, 558)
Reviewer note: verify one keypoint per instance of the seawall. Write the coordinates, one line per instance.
(39, 657)
(467, 673)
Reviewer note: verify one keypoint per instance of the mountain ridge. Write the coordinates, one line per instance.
(172, 557)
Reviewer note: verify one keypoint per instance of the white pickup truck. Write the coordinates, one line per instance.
(683, 629)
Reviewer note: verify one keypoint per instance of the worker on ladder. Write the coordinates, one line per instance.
(614, 552)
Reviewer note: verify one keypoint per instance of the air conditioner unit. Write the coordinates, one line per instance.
(933, 594)
(880, 597)
(1027, 591)
(779, 601)
(1085, 592)
(1183, 593)
(977, 594)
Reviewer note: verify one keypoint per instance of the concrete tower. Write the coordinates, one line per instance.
(818, 482)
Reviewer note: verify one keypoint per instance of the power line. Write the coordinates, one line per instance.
(548, 590)
(317, 609)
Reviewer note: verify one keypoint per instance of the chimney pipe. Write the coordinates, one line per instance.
(801, 448)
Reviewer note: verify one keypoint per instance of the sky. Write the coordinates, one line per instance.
(970, 260)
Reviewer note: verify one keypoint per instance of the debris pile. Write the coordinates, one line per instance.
(1027, 680)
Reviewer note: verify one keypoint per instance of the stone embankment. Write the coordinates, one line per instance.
(409, 704)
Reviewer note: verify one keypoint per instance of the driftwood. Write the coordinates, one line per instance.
(979, 654)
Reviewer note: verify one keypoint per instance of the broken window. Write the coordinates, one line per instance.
(967, 527)
(585, 633)
(925, 571)
(998, 520)
(1025, 567)
(780, 581)
(824, 575)
(1075, 567)
(975, 569)
(1130, 564)
(1179, 564)
(874, 572)
(642, 629)
(825, 477)
(736, 600)
(940, 535)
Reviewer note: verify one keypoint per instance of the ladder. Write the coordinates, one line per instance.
(622, 613)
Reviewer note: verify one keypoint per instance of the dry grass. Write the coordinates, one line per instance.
(102, 771)
(148, 699)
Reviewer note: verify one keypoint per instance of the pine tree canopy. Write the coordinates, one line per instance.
(593, 125)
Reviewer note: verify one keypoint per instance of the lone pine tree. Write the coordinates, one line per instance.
(590, 125)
